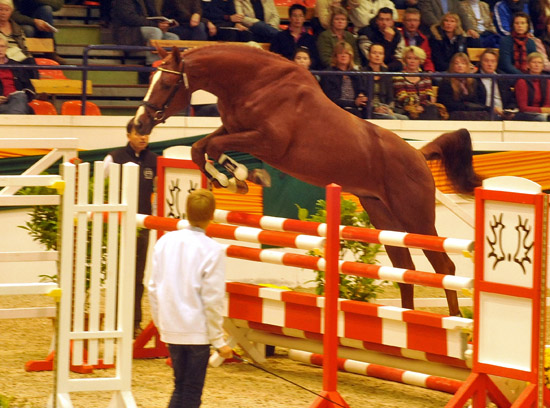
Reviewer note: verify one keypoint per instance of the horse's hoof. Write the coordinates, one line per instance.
(237, 186)
(239, 170)
(260, 177)
(213, 174)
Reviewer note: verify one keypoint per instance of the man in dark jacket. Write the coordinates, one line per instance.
(287, 41)
(137, 151)
(15, 86)
(381, 31)
(132, 24)
(504, 99)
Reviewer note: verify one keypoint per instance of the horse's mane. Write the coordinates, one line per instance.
(238, 49)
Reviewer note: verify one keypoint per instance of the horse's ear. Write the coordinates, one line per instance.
(176, 54)
(162, 52)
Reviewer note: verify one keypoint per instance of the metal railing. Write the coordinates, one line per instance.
(86, 67)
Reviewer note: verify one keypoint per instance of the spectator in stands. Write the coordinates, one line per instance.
(382, 99)
(15, 86)
(131, 25)
(504, 12)
(348, 92)
(463, 96)
(515, 48)
(286, 42)
(338, 32)
(260, 17)
(545, 36)
(323, 12)
(188, 14)
(302, 57)
(13, 34)
(533, 94)
(477, 21)
(434, 10)
(414, 94)
(105, 12)
(362, 12)
(542, 44)
(36, 19)
(539, 11)
(381, 30)
(413, 36)
(504, 100)
(447, 39)
(228, 22)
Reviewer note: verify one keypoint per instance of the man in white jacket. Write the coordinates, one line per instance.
(186, 292)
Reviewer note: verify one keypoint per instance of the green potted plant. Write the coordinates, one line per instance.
(351, 287)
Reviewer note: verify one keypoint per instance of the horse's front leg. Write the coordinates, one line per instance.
(199, 157)
(209, 144)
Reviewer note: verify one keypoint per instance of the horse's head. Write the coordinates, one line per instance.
(168, 93)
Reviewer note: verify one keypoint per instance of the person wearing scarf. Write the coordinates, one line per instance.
(515, 48)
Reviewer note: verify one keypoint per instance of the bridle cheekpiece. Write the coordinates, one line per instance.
(159, 115)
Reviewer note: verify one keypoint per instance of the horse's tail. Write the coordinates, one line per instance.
(454, 149)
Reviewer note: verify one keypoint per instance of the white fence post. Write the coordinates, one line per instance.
(91, 291)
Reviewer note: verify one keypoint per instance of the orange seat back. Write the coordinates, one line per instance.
(49, 73)
(75, 108)
(42, 107)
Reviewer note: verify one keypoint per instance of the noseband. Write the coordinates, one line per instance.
(159, 112)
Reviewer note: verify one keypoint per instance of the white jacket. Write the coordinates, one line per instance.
(271, 16)
(187, 288)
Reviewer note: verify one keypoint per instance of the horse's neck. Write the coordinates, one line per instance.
(223, 77)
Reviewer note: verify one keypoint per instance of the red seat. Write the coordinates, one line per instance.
(75, 108)
(49, 73)
(42, 107)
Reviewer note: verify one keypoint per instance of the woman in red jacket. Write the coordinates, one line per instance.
(533, 94)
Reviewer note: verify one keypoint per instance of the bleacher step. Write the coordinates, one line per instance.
(107, 77)
(78, 34)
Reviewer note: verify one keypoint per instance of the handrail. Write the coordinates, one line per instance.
(85, 67)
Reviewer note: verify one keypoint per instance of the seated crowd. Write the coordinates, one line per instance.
(349, 35)
(367, 35)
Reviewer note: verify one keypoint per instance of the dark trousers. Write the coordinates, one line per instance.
(45, 13)
(141, 257)
(189, 362)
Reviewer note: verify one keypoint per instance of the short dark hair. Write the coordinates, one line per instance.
(303, 49)
(486, 51)
(296, 6)
(384, 10)
(522, 14)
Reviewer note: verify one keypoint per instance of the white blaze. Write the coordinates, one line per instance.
(141, 109)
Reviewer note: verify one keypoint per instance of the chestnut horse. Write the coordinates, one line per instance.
(275, 110)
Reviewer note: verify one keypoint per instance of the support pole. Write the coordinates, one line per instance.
(330, 396)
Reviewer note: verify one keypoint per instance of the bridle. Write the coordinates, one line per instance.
(159, 112)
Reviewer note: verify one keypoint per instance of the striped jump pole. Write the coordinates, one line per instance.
(294, 240)
(245, 234)
(431, 382)
(373, 236)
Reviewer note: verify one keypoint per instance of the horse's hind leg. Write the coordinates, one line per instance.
(382, 218)
(442, 264)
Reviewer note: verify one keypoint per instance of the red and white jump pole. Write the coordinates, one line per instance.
(373, 236)
(408, 377)
(305, 261)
